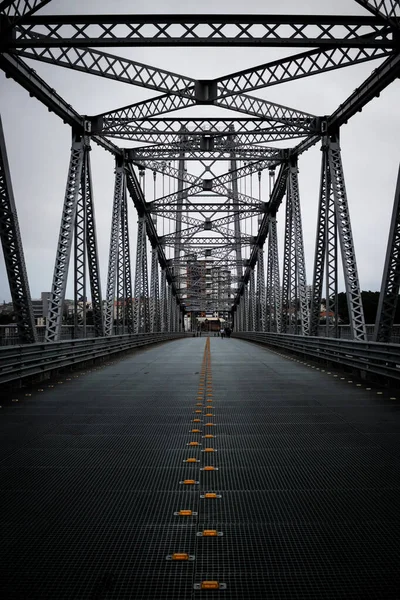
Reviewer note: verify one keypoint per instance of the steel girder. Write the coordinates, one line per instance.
(155, 314)
(273, 289)
(124, 320)
(91, 245)
(388, 10)
(297, 231)
(252, 302)
(353, 292)
(202, 30)
(80, 258)
(117, 68)
(381, 77)
(15, 11)
(163, 300)
(54, 319)
(391, 276)
(339, 41)
(13, 252)
(141, 308)
(169, 126)
(295, 67)
(273, 205)
(217, 188)
(243, 103)
(214, 184)
(325, 255)
(178, 213)
(244, 151)
(119, 187)
(85, 242)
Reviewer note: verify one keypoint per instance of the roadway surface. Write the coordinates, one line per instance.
(308, 474)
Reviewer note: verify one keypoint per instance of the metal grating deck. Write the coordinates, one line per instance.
(308, 470)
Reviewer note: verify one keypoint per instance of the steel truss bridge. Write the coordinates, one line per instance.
(204, 466)
(212, 259)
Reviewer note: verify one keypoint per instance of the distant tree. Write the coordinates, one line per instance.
(370, 302)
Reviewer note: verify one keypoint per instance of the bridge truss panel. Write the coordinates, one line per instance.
(13, 252)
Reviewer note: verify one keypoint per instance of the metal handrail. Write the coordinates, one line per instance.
(18, 362)
(372, 357)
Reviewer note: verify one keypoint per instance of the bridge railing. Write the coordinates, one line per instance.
(40, 360)
(365, 357)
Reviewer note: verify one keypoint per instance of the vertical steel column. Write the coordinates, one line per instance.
(354, 302)
(299, 247)
(163, 301)
(120, 278)
(252, 301)
(275, 277)
(325, 254)
(235, 210)
(178, 218)
(13, 252)
(80, 298)
(289, 271)
(113, 253)
(261, 296)
(126, 267)
(91, 245)
(246, 308)
(331, 284)
(154, 293)
(54, 319)
(169, 308)
(320, 246)
(85, 245)
(239, 313)
(391, 276)
(141, 310)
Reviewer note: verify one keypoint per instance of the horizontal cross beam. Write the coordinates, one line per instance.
(203, 30)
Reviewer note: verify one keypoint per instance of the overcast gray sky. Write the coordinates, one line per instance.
(38, 143)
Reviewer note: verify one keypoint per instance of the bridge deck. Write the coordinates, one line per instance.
(308, 473)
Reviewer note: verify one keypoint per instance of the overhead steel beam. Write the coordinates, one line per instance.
(200, 30)
(203, 126)
(110, 66)
(15, 11)
(381, 77)
(295, 67)
(166, 153)
(15, 68)
(117, 68)
(388, 10)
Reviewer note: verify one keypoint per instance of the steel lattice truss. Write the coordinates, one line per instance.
(207, 223)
